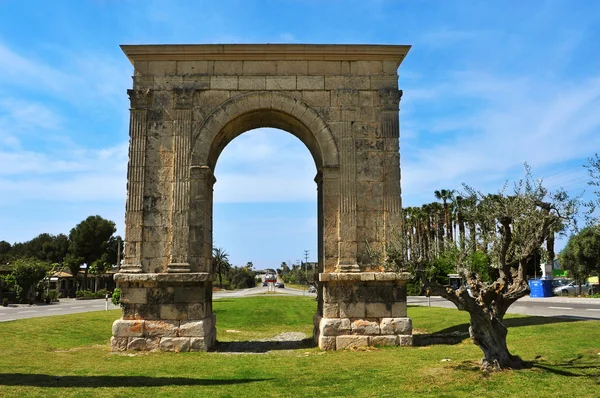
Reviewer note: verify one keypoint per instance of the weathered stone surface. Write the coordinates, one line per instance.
(118, 343)
(143, 344)
(387, 340)
(405, 340)
(200, 344)
(334, 326)
(351, 341)
(128, 328)
(194, 328)
(365, 327)
(175, 344)
(396, 326)
(341, 101)
(161, 328)
(331, 310)
(327, 343)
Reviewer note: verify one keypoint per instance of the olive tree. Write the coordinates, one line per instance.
(512, 226)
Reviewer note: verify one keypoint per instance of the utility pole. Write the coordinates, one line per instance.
(306, 266)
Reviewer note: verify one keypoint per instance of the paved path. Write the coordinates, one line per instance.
(546, 306)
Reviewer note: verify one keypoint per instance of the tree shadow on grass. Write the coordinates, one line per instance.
(576, 367)
(457, 333)
(262, 347)
(42, 380)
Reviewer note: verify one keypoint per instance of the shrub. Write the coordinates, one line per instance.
(89, 295)
(116, 296)
(53, 295)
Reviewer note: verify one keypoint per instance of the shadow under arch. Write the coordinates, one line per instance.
(264, 109)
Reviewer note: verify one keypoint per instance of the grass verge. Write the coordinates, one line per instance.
(70, 356)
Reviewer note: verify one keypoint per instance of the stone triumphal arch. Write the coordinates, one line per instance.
(187, 103)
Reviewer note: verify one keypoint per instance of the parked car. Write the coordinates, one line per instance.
(312, 289)
(279, 285)
(558, 282)
(265, 283)
(572, 289)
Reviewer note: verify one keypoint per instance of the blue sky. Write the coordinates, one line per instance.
(487, 86)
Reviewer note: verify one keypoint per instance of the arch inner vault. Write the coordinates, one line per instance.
(187, 103)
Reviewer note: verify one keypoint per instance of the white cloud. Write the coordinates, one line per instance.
(511, 120)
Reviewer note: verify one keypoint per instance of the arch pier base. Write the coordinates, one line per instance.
(363, 309)
(165, 312)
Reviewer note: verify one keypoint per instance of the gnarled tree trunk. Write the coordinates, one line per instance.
(489, 334)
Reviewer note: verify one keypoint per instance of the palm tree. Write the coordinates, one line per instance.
(460, 219)
(221, 263)
(446, 195)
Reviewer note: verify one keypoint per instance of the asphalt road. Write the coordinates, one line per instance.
(549, 306)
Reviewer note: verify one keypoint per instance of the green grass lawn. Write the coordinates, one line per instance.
(70, 356)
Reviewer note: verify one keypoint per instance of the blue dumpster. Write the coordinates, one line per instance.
(540, 288)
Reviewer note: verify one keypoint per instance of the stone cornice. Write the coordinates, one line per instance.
(267, 52)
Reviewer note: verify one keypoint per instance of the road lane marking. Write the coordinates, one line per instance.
(77, 308)
(99, 306)
(54, 309)
(560, 308)
(26, 312)
(593, 309)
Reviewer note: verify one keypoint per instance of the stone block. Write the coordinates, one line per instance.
(160, 295)
(310, 82)
(331, 310)
(399, 310)
(384, 82)
(378, 310)
(387, 340)
(281, 82)
(128, 328)
(405, 340)
(396, 326)
(199, 344)
(347, 82)
(118, 343)
(192, 67)
(351, 341)
(189, 295)
(197, 311)
(161, 68)
(292, 67)
(223, 83)
(175, 344)
(260, 68)
(316, 98)
(173, 311)
(365, 327)
(143, 344)
(334, 326)
(227, 68)
(252, 83)
(147, 311)
(133, 295)
(344, 97)
(366, 68)
(390, 68)
(352, 309)
(327, 343)
(161, 328)
(325, 68)
(194, 329)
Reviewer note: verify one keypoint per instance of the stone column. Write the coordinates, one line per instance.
(202, 182)
(348, 245)
(134, 215)
(328, 183)
(182, 124)
(390, 131)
